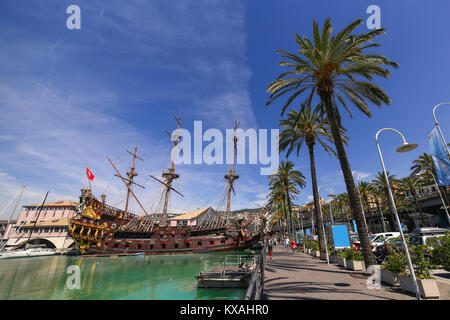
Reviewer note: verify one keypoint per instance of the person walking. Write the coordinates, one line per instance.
(286, 244)
(270, 247)
(293, 245)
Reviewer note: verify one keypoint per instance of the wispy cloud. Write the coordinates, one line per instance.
(70, 99)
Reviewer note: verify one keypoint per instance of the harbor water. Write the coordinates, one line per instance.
(130, 277)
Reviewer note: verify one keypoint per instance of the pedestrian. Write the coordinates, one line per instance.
(270, 247)
(286, 244)
(293, 245)
(274, 241)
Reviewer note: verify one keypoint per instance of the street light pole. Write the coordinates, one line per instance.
(362, 208)
(404, 148)
(324, 234)
(300, 217)
(439, 128)
(439, 191)
(331, 193)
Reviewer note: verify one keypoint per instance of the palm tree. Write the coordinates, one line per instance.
(411, 184)
(308, 127)
(365, 190)
(277, 199)
(331, 67)
(377, 195)
(425, 163)
(380, 183)
(287, 179)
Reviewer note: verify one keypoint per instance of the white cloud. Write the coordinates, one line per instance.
(64, 108)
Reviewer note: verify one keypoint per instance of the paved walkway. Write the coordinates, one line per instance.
(298, 276)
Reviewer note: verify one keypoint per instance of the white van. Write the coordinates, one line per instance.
(379, 239)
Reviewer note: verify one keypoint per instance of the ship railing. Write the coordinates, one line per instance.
(256, 286)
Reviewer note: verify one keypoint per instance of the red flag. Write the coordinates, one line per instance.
(89, 174)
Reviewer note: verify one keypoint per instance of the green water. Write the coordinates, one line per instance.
(138, 277)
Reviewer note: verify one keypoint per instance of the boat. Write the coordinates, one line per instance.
(27, 253)
(102, 229)
(228, 275)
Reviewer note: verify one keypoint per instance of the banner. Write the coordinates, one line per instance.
(341, 236)
(440, 157)
(299, 236)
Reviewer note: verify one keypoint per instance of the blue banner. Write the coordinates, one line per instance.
(307, 232)
(299, 236)
(340, 236)
(440, 157)
(354, 226)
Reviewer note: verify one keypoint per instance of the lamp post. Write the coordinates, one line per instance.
(323, 232)
(300, 217)
(331, 194)
(362, 207)
(404, 148)
(331, 218)
(439, 191)
(439, 128)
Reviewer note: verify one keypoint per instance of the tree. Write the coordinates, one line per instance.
(425, 163)
(308, 127)
(411, 184)
(331, 67)
(377, 195)
(380, 183)
(287, 179)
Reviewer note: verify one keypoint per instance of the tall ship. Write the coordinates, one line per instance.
(103, 229)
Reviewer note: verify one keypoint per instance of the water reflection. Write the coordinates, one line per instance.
(138, 277)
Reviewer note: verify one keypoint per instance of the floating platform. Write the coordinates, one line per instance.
(225, 277)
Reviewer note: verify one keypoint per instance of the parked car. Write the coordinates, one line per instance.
(379, 239)
(420, 235)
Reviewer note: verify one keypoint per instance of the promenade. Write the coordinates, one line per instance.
(298, 276)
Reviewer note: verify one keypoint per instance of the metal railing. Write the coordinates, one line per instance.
(256, 286)
(230, 260)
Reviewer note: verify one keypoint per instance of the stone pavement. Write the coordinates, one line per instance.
(298, 276)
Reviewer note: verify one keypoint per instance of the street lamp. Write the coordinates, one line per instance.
(439, 191)
(362, 207)
(439, 128)
(300, 216)
(405, 147)
(331, 194)
(323, 232)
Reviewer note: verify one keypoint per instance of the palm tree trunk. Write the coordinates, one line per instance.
(420, 209)
(317, 215)
(381, 216)
(391, 211)
(285, 217)
(349, 182)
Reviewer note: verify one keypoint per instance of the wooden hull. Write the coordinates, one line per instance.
(152, 247)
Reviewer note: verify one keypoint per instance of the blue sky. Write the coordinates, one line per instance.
(69, 98)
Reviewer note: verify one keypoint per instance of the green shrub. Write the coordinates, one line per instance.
(341, 254)
(440, 251)
(421, 260)
(352, 254)
(395, 262)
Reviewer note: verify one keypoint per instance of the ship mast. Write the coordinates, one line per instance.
(129, 182)
(170, 174)
(231, 175)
